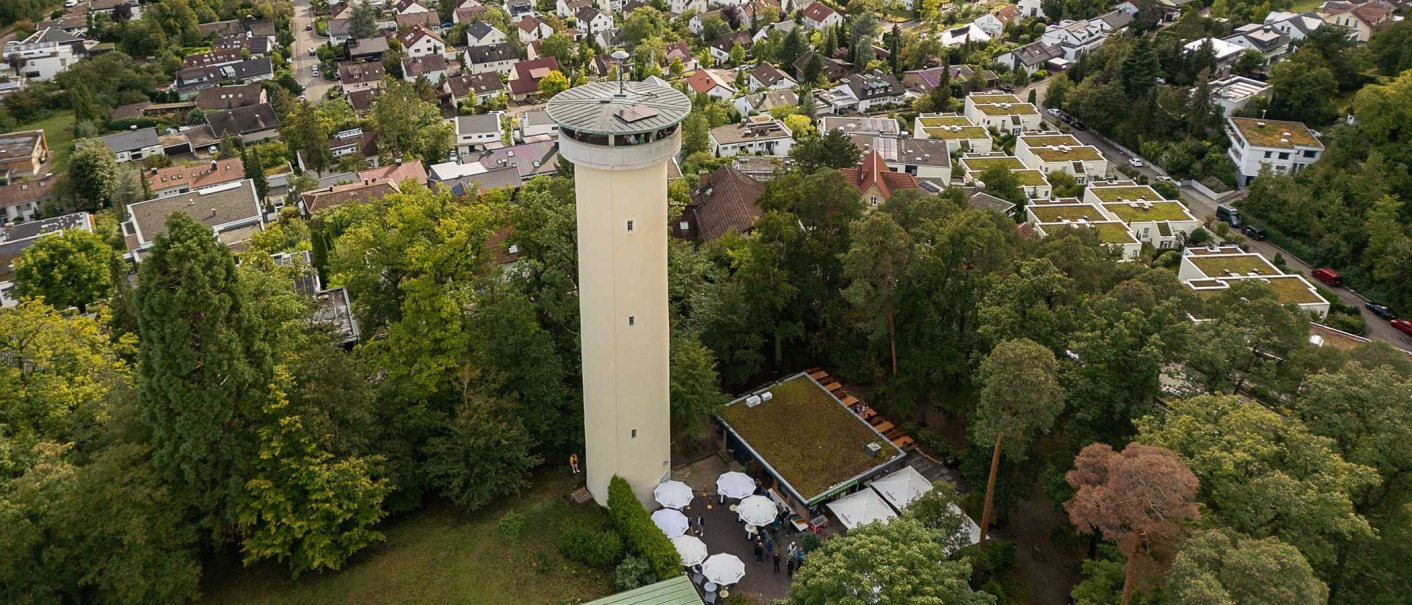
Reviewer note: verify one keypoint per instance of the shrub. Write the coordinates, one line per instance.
(512, 525)
(593, 548)
(633, 572)
(811, 542)
(642, 537)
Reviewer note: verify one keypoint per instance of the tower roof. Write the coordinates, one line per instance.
(599, 108)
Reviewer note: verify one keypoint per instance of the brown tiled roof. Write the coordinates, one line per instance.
(20, 192)
(767, 75)
(726, 199)
(197, 175)
(874, 171)
(417, 66)
(525, 74)
(339, 195)
(229, 97)
(461, 86)
(418, 19)
(817, 11)
(500, 247)
(395, 173)
(702, 81)
(358, 73)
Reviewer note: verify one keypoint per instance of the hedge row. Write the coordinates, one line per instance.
(637, 529)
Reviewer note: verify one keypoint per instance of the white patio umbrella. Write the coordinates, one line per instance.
(757, 510)
(723, 569)
(691, 549)
(735, 485)
(672, 494)
(671, 522)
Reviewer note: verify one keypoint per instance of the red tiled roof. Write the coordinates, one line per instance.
(874, 171)
(195, 176)
(339, 195)
(395, 173)
(817, 12)
(701, 81)
(500, 247)
(525, 81)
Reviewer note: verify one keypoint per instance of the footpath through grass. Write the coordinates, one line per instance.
(443, 555)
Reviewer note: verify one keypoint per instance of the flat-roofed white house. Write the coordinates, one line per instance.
(1061, 153)
(1161, 223)
(756, 135)
(1216, 269)
(1235, 92)
(959, 133)
(1281, 146)
(1050, 219)
(1004, 113)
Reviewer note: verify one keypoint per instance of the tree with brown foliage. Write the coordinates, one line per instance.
(1140, 498)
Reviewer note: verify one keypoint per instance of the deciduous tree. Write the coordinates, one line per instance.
(72, 269)
(896, 562)
(1222, 566)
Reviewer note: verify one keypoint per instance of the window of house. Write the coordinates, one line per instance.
(1267, 155)
(1284, 155)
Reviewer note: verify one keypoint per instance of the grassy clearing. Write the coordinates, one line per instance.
(58, 133)
(442, 555)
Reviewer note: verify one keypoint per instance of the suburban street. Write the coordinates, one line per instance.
(1202, 206)
(314, 88)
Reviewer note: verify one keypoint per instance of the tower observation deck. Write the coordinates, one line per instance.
(620, 136)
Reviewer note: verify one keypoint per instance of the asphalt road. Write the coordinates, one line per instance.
(315, 88)
(1201, 206)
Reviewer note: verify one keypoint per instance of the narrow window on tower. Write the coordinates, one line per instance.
(634, 433)
(629, 225)
(632, 319)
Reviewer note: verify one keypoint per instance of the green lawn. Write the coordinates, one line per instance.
(1303, 6)
(442, 555)
(58, 133)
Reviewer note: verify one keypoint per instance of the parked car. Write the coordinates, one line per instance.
(1254, 232)
(1328, 276)
(1229, 215)
(1078, 125)
(1381, 310)
(1135, 162)
(1402, 325)
(1054, 111)
(313, 52)
(316, 72)
(309, 27)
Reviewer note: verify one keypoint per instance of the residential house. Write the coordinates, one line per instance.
(117, 10)
(922, 158)
(981, 200)
(723, 201)
(1031, 9)
(529, 159)
(1061, 153)
(428, 19)
(411, 7)
(482, 33)
(1283, 147)
(763, 102)
(1208, 270)
(783, 27)
(1225, 53)
(1117, 21)
(525, 77)
(875, 182)
(1235, 92)
(1033, 57)
(682, 7)
(1051, 218)
(360, 76)
(707, 82)
(969, 33)
(232, 211)
(1361, 19)
(1004, 113)
(256, 45)
(755, 135)
(995, 22)
(568, 8)
(332, 308)
(1077, 38)
(419, 41)
(475, 89)
(864, 92)
(1295, 25)
(1264, 38)
(366, 49)
(41, 61)
(721, 49)
(176, 180)
(761, 168)
(22, 154)
(213, 58)
(230, 97)
(1033, 182)
(731, 16)
(959, 133)
(15, 239)
(191, 81)
(20, 199)
(492, 59)
(253, 123)
(333, 196)
(535, 126)
(469, 12)
(531, 29)
(134, 145)
(478, 132)
(11, 84)
(519, 9)
(73, 24)
(593, 20)
(924, 80)
(351, 142)
(767, 77)
(1161, 223)
(867, 127)
(833, 69)
(361, 100)
(680, 51)
(431, 67)
(819, 16)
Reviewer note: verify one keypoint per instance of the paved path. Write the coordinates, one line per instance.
(315, 89)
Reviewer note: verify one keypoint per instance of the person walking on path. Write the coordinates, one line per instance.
(574, 463)
(759, 552)
(789, 567)
(700, 526)
(769, 546)
(777, 562)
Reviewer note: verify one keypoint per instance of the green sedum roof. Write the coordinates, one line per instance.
(676, 591)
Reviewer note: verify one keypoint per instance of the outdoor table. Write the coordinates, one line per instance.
(710, 587)
(799, 524)
(884, 427)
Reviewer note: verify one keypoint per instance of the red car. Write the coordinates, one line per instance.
(1402, 325)
(1328, 276)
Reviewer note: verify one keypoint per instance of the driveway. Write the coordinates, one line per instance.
(315, 89)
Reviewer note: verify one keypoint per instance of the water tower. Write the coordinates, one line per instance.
(620, 137)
